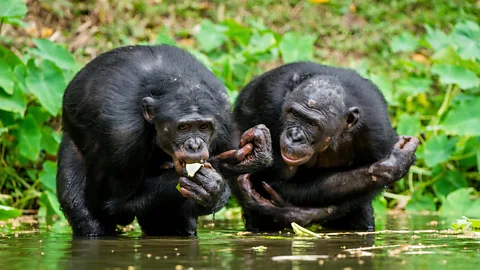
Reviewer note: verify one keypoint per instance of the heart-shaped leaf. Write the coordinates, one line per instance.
(55, 53)
(29, 138)
(449, 182)
(453, 74)
(296, 47)
(409, 125)
(464, 119)
(12, 8)
(437, 150)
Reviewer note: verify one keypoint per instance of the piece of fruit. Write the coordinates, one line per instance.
(192, 168)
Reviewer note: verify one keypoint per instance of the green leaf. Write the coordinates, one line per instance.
(413, 86)
(385, 86)
(453, 74)
(48, 175)
(50, 201)
(421, 202)
(405, 42)
(7, 212)
(409, 125)
(210, 36)
(164, 38)
(237, 32)
(261, 43)
(478, 160)
(6, 77)
(49, 142)
(47, 84)
(296, 47)
(39, 113)
(29, 138)
(448, 55)
(8, 56)
(437, 150)
(449, 182)
(55, 53)
(379, 206)
(13, 8)
(467, 38)
(437, 39)
(464, 119)
(13, 103)
(459, 203)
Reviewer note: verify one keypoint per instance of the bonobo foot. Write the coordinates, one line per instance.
(255, 152)
(398, 163)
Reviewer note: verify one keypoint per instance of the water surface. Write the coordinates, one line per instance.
(400, 242)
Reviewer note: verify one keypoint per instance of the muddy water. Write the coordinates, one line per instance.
(401, 242)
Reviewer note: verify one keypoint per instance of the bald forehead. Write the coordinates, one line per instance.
(321, 90)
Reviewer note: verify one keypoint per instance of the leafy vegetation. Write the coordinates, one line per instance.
(429, 75)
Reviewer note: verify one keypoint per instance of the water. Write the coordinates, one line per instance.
(422, 243)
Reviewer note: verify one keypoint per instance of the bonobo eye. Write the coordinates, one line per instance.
(183, 127)
(311, 123)
(204, 126)
(294, 114)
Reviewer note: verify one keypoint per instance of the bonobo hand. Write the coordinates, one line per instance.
(255, 152)
(395, 166)
(207, 188)
(281, 211)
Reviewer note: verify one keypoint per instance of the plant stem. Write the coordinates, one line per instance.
(1, 25)
(396, 196)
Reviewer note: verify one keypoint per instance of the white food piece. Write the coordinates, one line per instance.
(192, 168)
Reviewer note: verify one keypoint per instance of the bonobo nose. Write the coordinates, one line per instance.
(194, 145)
(295, 135)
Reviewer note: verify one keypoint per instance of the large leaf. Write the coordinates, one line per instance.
(7, 212)
(467, 38)
(437, 150)
(55, 53)
(449, 182)
(296, 47)
(449, 55)
(261, 43)
(47, 84)
(421, 202)
(12, 8)
(459, 203)
(464, 119)
(413, 86)
(48, 175)
(13, 103)
(453, 74)
(437, 39)
(405, 42)
(8, 56)
(210, 36)
(409, 125)
(386, 87)
(6, 77)
(29, 138)
(50, 140)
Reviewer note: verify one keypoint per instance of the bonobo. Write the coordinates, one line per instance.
(334, 148)
(132, 119)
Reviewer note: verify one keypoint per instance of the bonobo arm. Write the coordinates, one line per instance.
(207, 192)
(254, 153)
(341, 186)
(281, 212)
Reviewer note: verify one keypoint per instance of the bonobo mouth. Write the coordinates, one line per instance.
(295, 161)
(181, 158)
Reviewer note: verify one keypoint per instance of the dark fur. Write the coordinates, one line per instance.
(347, 187)
(109, 169)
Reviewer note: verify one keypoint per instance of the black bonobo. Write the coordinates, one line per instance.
(334, 148)
(133, 118)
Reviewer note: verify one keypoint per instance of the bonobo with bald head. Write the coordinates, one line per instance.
(334, 148)
(132, 119)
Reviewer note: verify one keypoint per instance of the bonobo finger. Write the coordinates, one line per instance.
(235, 156)
(247, 137)
(262, 136)
(193, 191)
(411, 144)
(249, 194)
(209, 179)
(275, 197)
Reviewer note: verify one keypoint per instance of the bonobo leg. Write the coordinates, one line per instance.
(163, 210)
(255, 152)
(357, 219)
(71, 193)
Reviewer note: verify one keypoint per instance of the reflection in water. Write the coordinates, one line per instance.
(223, 248)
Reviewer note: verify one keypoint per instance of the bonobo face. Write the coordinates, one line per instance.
(315, 116)
(186, 139)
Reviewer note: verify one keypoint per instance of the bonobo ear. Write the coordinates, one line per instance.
(147, 107)
(351, 118)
